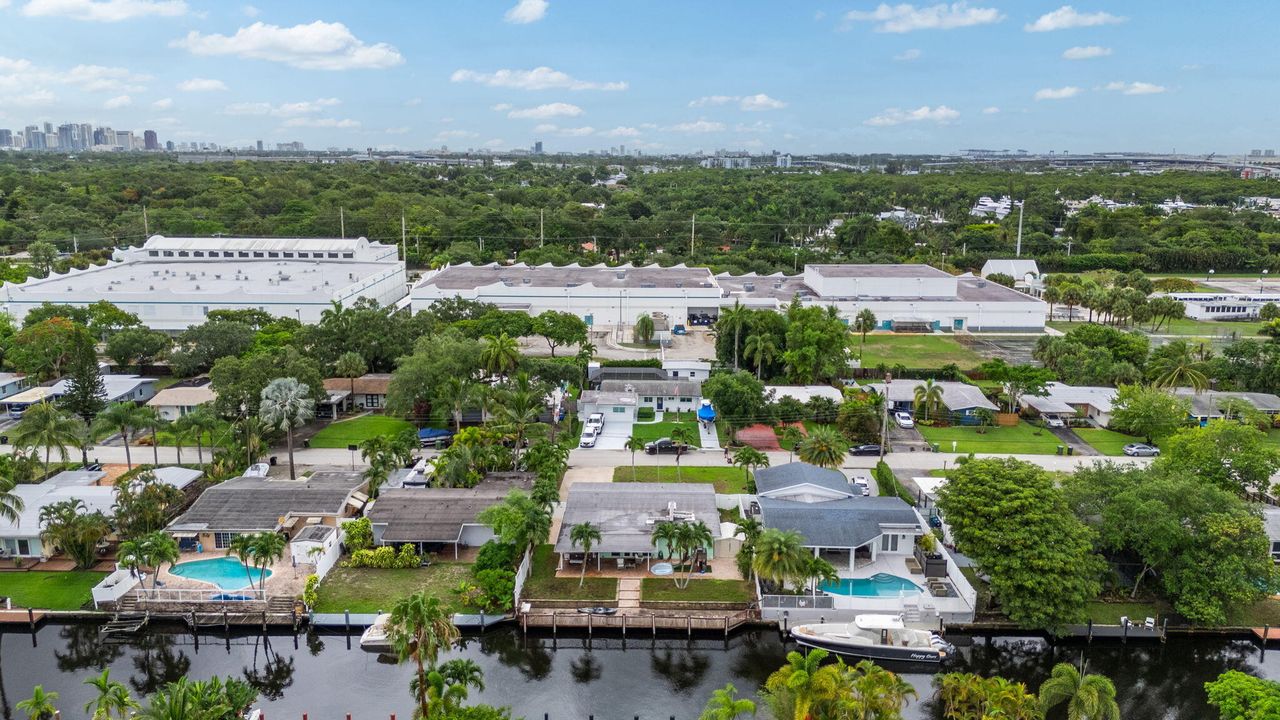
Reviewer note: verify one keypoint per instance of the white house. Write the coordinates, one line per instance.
(175, 402)
(117, 388)
(661, 395)
(804, 393)
(614, 405)
(1067, 401)
(11, 384)
(687, 369)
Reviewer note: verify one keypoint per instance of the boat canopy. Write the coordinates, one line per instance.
(706, 413)
(879, 622)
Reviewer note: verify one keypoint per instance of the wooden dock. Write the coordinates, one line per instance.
(633, 622)
(21, 617)
(1266, 634)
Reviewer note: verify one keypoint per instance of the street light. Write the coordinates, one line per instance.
(1210, 275)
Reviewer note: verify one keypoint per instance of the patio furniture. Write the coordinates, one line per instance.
(913, 566)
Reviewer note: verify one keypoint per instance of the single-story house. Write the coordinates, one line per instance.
(262, 504)
(661, 395)
(804, 393)
(1206, 405)
(614, 405)
(12, 384)
(687, 369)
(626, 514)
(367, 392)
(177, 401)
(430, 518)
(597, 373)
(836, 522)
(961, 400)
(1067, 401)
(118, 388)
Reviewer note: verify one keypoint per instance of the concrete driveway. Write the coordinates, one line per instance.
(613, 436)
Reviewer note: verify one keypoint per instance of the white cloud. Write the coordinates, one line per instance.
(908, 55)
(501, 107)
(621, 132)
(117, 102)
(706, 100)
(402, 130)
(993, 110)
(526, 11)
(316, 46)
(321, 122)
(1085, 52)
(163, 104)
(413, 102)
(760, 102)
(539, 78)
(104, 10)
(251, 11)
(1061, 93)
(1135, 88)
(294, 109)
(906, 17)
(698, 126)
(894, 116)
(97, 78)
(35, 98)
(201, 85)
(1067, 17)
(546, 128)
(549, 110)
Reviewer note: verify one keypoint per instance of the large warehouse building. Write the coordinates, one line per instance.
(173, 283)
(917, 298)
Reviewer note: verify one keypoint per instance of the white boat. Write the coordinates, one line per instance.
(877, 637)
(375, 637)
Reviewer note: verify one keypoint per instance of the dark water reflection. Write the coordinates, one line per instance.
(327, 675)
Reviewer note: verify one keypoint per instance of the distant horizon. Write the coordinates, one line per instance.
(926, 78)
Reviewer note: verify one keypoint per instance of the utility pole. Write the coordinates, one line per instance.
(404, 249)
(481, 245)
(75, 246)
(542, 238)
(146, 226)
(693, 229)
(884, 421)
(1017, 252)
(342, 221)
(1069, 241)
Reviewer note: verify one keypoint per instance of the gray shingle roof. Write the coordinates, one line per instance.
(626, 513)
(248, 504)
(432, 515)
(664, 388)
(775, 478)
(840, 523)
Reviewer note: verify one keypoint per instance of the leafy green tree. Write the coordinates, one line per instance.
(738, 397)
(124, 418)
(518, 520)
(824, 447)
(42, 256)
(45, 425)
(1240, 696)
(780, 556)
(1088, 697)
(286, 405)
(1148, 412)
(69, 527)
(586, 536)
(418, 383)
(200, 346)
(1235, 457)
(113, 699)
(560, 328)
(500, 354)
(44, 349)
(816, 339)
(643, 330)
(239, 382)
(85, 394)
(1013, 521)
(40, 706)
(143, 503)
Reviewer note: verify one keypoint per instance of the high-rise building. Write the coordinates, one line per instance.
(150, 141)
(6, 138)
(84, 136)
(48, 129)
(259, 146)
(124, 139)
(67, 137)
(168, 145)
(35, 138)
(537, 147)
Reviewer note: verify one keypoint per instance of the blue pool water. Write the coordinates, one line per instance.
(878, 585)
(225, 572)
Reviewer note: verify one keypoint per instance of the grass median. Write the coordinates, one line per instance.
(728, 480)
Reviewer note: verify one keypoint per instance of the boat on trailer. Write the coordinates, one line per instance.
(875, 637)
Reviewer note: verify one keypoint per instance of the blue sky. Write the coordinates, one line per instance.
(661, 76)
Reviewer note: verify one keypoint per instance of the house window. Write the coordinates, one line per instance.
(889, 543)
(257, 254)
(348, 256)
(333, 255)
(222, 540)
(288, 254)
(648, 399)
(168, 253)
(228, 253)
(24, 546)
(619, 409)
(198, 253)
(302, 255)
(242, 253)
(686, 399)
(372, 401)
(183, 253)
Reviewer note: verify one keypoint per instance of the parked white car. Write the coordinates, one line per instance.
(903, 418)
(588, 438)
(860, 485)
(595, 421)
(1053, 422)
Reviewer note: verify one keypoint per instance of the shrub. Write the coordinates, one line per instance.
(358, 534)
(634, 363)
(496, 590)
(309, 594)
(645, 413)
(384, 558)
(495, 555)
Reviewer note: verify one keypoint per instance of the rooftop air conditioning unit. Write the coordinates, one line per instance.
(982, 283)
(526, 281)
(749, 287)
(622, 274)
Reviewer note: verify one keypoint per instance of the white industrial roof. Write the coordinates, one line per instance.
(1016, 269)
(160, 242)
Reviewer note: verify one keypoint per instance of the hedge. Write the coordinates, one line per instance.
(888, 483)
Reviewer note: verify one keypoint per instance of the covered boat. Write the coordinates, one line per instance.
(375, 637)
(706, 413)
(877, 637)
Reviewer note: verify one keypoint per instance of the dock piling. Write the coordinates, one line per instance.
(31, 619)
(1089, 638)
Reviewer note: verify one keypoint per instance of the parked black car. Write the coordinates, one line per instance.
(665, 446)
(864, 450)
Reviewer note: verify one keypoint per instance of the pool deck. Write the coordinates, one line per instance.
(285, 579)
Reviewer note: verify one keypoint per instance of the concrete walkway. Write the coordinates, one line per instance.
(629, 593)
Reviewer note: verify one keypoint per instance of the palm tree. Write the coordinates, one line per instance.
(459, 393)
(779, 556)
(733, 320)
(350, 365)
(692, 537)
(634, 444)
(869, 692)
(1088, 697)
(824, 447)
(726, 705)
(11, 504)
(200, 421)
(286, 404)
(863, 323)
(499, 355)
(48, 426)
(927, 396)
(183, 700)
(181, 431)
(1177, 366)
(113, 698)
(149, 419)
(643, 330)
(419, 628)
(40, 706)
(152, 550)
(242, 547)
(248, 432)
(123, 418)
(749, 458)
(817, 571)
(464, 672)
(585, 535)
(518, 519)
(267, 547)
(760, 349)
(807, 680)
(682, 435)
(749, 528)
(792, 436)
(1053, 296)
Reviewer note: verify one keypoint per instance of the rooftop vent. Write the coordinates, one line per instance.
(526, 281)
(622, 274)
(982, 283)
(749, 287)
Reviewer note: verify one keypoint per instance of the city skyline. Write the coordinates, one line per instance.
(861, 77)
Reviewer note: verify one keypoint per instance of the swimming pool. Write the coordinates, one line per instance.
(225, 572)
(878, 585)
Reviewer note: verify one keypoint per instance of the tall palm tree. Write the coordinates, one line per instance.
(863, 323)
(733, 320)
(779, 556)
(268, 547)
(350, 365)
(1088, 697)
(749, 458)
(149, 419)
(634, 444)
(692, 537)
(11, 504)
(824, 447)
(249, 431)
(40, 706)
(419, 628)
(499, 355)
(459, 393)
(48, 426)
(726, 705)
(242, 547)
(815, 572)
(201, 421)
(181, 431)
(927, 397)
(749, 528)
(1177, 366)
(123, 418)
(152, 550)
(113, 698)
(807, 680)
(682, 435)
(287, 404)
(585, 535)
(760, 349)
(793, 436)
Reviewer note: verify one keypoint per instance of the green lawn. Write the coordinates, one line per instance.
(699, 590)
(1273, 436)
(729, 480)
(368, 590)
(1019, 439)
(1186, 327)
(1109, 613)
(49, 590)
(352, 432)
(916, 351)
(1107, 442)
(544, 585)
(658, 430)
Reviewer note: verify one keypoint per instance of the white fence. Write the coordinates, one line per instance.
(199, 595)
(114, 586)
(302, 553)
(522, 574)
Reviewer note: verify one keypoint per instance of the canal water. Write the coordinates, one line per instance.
(327, 676)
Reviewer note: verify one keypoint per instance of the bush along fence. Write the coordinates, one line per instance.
(888, 483)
